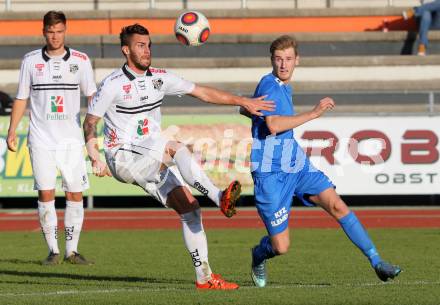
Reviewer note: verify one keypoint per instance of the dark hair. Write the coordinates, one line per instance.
(282, 43)
(53, 17)
(128, 31)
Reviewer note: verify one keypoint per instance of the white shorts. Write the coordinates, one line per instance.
(70, 162)
(140, 165)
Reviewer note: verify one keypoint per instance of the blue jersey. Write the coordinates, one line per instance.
(273, 153)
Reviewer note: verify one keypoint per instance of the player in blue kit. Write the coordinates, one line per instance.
(281, 170)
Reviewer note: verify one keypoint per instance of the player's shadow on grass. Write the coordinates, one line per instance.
(19, 261)
(131, 279)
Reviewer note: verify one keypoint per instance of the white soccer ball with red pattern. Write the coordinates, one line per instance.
(192, 28)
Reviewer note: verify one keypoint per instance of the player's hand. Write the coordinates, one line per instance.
(100, 169)
(255, 105)
(12, 141)
(324, 105)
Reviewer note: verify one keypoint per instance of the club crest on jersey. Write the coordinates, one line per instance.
(157, 83)
(142, 128)
(73, 68)
(39, 68)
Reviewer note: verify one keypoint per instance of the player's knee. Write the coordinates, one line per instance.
(193, 220)
(46, 195)
(74, 196)
(281, 248)
(338, 208)
(173, 146)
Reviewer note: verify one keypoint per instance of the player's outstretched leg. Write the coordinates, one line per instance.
(260, 253)
(194, 175)
(359, 236)
(335, 206)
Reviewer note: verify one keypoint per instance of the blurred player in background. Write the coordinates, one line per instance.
(281, 170)
(129, 100)
(51, 78)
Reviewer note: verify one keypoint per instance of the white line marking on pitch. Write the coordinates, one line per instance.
(104, 291)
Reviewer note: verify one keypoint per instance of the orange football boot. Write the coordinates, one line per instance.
(218, 283)
(229, 198)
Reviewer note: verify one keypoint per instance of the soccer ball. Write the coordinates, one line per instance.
(192, 28)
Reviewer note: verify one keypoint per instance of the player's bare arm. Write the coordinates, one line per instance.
(99, 167)
(18, 109)
(216, 96)
(280, 123)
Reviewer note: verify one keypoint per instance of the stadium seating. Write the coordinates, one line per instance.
(362, 66)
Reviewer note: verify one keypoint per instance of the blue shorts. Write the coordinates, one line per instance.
(274, 193)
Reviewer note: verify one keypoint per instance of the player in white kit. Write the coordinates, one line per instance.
(129, 100)
(51, 78)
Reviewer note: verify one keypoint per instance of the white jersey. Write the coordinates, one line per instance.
(130, 104)
(53, 86)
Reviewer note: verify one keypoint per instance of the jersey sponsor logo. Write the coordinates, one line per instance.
(56, 103)
(201, 188)
(280, 216)
(57, 78)
(154, 70)
(73, 68)
(142, 128)
(80, 55)
(157, 83)
(126, 88)
(56, 109)
(39, 68)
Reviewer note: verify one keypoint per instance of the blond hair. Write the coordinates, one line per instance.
(282, 43)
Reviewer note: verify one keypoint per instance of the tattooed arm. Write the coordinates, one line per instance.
(99, 167)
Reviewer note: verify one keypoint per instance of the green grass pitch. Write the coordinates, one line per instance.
(153, 267)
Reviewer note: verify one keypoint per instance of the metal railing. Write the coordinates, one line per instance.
(244, 4)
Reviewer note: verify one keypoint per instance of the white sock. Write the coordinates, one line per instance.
(48, 222)
(196, 243)
(194, 175)
(73, 220)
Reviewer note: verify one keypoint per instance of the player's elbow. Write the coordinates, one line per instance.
(273, 124)
(273, 128)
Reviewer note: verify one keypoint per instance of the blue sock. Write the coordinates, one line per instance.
(263, 251)
(359, 236)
